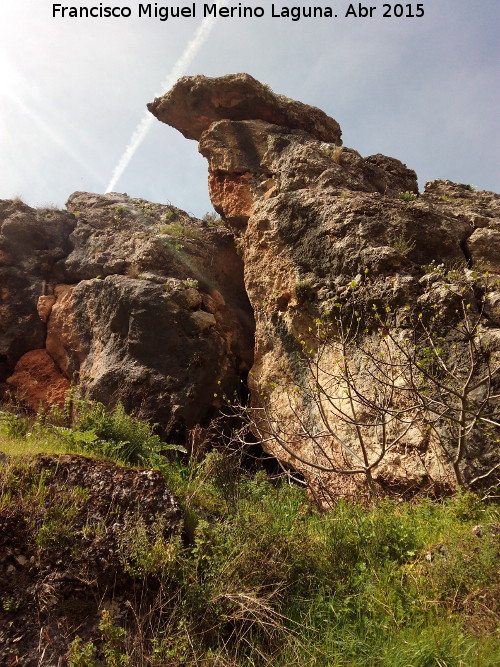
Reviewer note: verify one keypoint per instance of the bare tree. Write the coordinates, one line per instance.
(346, 405)
(352, 394)
(451, 372)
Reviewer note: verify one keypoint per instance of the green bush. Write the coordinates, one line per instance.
(115, 434)
(113, 647)
(13, 425)
(145, 551)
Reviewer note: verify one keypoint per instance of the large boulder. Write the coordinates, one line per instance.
(37, 380)
(195, 102)
(136, 302)
(21, 329)
(318, 225)
(32, 241)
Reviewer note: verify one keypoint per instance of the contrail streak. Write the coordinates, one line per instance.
(140, 132)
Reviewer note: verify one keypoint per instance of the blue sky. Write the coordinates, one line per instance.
(424, 90)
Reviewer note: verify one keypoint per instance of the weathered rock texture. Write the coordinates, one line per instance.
(195, 103)
(37, 381)
(62, 554)
(316, 222)
(31, 243)
(135, 301)
(138, 302)
(141, 493)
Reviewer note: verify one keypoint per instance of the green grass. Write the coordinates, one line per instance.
(180, 231)
(261, 577)
(20, 437)
(84, 427)
(407, 196)
(458, 200)
(30, 446)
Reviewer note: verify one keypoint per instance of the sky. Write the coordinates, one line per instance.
(74, 91)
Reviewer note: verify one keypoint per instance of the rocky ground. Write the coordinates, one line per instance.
(62, 528)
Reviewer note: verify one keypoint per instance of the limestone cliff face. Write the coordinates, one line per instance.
(316, 222)
(135, 301)
(141, 303)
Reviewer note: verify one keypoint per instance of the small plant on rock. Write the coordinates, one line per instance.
(401, 243)
(191, 282)
(211, 219)
(303, 290)
(407, 196)
(133, 271)
(180, 231)
(334, 153)
(120, 211)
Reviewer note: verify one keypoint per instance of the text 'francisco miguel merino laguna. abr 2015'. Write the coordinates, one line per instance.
(294, 13)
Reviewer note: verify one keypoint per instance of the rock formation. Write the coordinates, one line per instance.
(137, 302)
(195, 103)
(141, 303)
(315, 223)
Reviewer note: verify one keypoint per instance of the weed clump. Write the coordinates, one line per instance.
(260, 576)
(180, 231)
(407, 196)
(115, 434)
(401, 243)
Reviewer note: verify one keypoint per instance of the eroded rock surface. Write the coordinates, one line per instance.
(318, 225)
(37, 381)
(137, 302)
(195, 102)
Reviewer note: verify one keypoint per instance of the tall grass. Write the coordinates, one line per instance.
(261, 577)
(85, 427)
